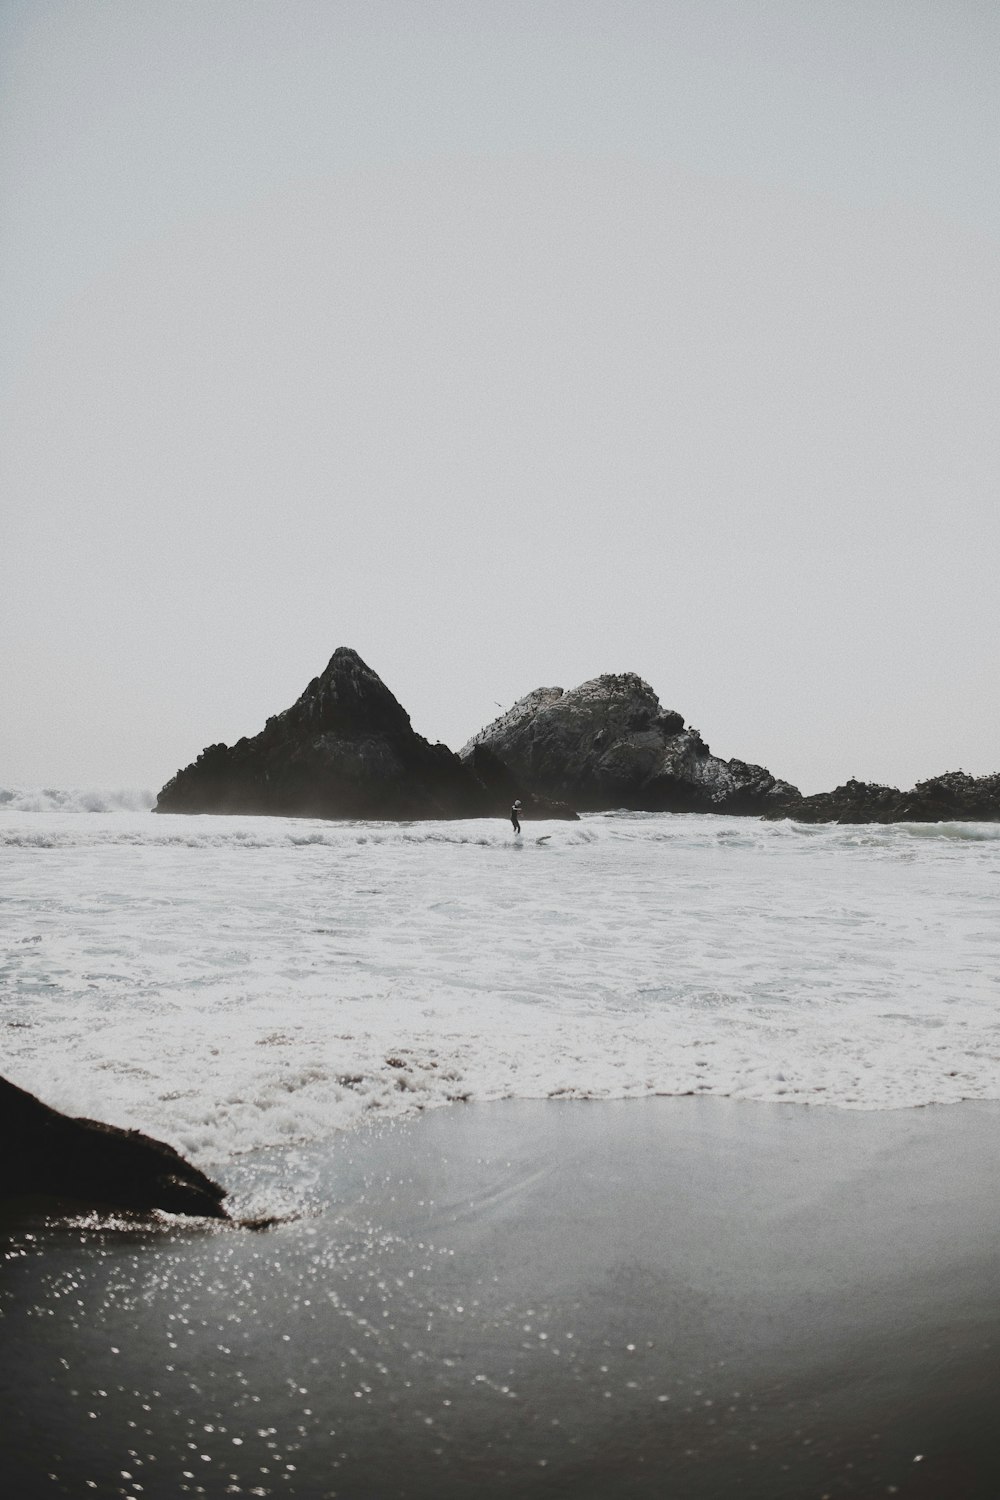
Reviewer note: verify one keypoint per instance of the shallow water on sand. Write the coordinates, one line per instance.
(686, 1297)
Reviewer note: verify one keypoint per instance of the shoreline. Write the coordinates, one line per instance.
(694, 1296)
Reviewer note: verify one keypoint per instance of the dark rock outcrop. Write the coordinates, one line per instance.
(53, 1156)
(345, 749)
(608, 743)
(954, 797)
(502, 787)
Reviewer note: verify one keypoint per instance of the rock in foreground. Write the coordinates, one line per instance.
(51, 1155)
(954, 797)
(608, 743)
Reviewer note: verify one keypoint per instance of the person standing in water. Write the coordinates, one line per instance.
(515, 817)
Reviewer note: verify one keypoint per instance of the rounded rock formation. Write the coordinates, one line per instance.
(608, 743)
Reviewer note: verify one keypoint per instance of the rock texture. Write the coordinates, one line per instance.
(954, 797)
(503, 786)
(54, 1156)
(345, 749)
(608, 743)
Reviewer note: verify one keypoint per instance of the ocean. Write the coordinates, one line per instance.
(751, 1270)
(232, 984)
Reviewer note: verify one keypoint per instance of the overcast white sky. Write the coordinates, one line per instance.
(508, 343)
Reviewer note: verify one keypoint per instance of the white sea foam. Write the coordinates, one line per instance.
(234, 983)
(75, 799)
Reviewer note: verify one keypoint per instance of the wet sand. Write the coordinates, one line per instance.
(673, 1297)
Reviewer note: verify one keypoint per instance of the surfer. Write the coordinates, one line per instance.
(515, 816)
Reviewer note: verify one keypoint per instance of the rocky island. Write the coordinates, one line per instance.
(346, 749)
(953, 797)
(608, 743)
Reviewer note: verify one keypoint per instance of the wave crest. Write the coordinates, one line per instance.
(76, 799)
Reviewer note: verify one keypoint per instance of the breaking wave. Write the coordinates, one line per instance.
(76, 799)
(235, 985)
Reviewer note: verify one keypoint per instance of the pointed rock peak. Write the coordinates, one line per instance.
(345, 749)
(346, 669)
(349, 698)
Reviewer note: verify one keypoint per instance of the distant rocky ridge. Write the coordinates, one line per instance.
(345, 749)
(608, 743)
(953, 797)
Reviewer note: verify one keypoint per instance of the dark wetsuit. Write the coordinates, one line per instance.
(515, 820)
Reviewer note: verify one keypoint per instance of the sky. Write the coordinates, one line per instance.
(508, 343)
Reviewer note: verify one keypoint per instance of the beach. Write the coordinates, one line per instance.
(656, 1158)
(687, 1297)
(419, 418)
